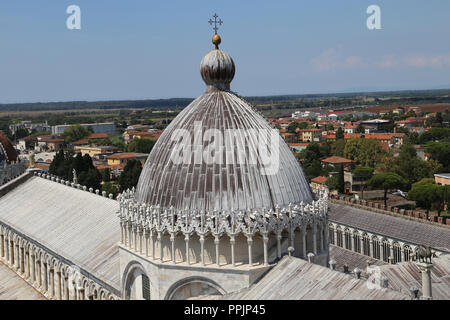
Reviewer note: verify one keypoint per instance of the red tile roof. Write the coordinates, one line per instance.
(98, 136)
(319, 179)
(122, 156)
(336, 160)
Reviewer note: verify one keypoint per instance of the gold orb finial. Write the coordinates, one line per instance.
(216, 40)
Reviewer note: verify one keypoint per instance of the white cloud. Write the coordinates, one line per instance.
(388, 61)
(421, 60)
(332, 59)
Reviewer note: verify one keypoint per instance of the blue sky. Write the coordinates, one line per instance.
(138, 49)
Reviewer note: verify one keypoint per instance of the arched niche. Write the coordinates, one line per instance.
(193, 287)
(136, 284)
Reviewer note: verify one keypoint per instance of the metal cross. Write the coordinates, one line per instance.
(215, 16)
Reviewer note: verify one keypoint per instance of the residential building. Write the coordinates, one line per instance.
(98, 152)
(109, 128)
(442, 179)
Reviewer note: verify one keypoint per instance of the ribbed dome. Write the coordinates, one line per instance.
(7, 151)
(228, 184)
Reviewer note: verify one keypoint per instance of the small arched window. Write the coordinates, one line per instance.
(408, 252)
(366, 244)
(348, 239)
(357, 242)
(145, 287)
(339, 237)
(386, 250)
(376, 247)
(397, 253)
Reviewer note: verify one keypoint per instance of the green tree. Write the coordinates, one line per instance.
(106, 174)
(21, 133)
(75, 132)
(440, 151)
(337, 148)
(413, 138)
(340, 179)
(332, 183)
(110, 188)
(141, 145)
(427, 195)
(434, 134)
(360, 129)
(363, 174)
(339, 133)
(423, 181)
(130, 175)
(91, 178)
(409, 166)
(366, 152)
(293, 126)
(386, 181)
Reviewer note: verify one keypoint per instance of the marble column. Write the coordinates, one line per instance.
(58, 284)
(304, 242)
(314, 230)
(279, 244)
(202, 252)
(425, 268)
(217, 242)
(33, 268)
(146, 237)
(266, 259)
(122, 238)
(172, 251)
(233, 242)
(250, 242)
(160, 246)
(186, 239)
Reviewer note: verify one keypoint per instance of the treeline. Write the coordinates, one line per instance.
(157, 103)
(284, 101)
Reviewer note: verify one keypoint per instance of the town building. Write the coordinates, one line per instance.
(336, 162)
(48, 143)
(97, 152)
(319, 182)
(442, 179)
(311, 135)
(378, 124)
(30, 126)
(108, 127)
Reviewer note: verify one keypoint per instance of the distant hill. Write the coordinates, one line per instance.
(381, 97)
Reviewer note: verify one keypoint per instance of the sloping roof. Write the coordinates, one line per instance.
(296, 279)
(13, 287)
(99, 135)
(319, 179)
(394, 227)
(7, 148)
(405, 275)
(351, 259)
(336, 160)
(122, 156)
(77, 225)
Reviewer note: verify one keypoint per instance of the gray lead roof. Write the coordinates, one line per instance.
(233, 185)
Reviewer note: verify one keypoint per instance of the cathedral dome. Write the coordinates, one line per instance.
(7, 151)
(220, 121)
